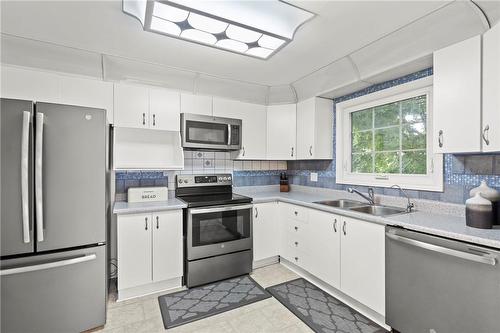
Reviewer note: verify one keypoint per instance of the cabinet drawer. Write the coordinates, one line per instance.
(294, 212)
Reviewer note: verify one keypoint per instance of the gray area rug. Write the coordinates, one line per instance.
(200, 302)
(321, 311)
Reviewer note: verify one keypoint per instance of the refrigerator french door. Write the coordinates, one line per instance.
(53, 217)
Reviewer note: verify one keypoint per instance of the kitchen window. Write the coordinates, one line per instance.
(385, 139)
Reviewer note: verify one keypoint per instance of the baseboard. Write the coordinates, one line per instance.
(265, 262)
(361, 308)
(150, 288)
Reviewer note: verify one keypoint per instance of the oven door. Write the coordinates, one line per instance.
(218, 230)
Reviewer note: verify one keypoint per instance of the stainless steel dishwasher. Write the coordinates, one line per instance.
(437, 285)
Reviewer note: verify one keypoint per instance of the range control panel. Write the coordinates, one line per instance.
(204, 180)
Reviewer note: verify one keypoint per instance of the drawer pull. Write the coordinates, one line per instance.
(296, 228)
(296, 243)
(296, 258)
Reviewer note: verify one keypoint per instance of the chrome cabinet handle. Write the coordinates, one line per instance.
(485, 135)
(157, 222)
(344, 229)
(145, 223)
(256, 212)
(310, 150)
(38, 176)
(292, 152)
(296, 258)
(440, 138)
(296, 213)
(296, 243)
(144, 118)
(296, 228)
(335, 225)
(243, 151)
(25, 175)
(154, 119)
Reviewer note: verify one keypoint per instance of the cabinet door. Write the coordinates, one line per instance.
(164, 109)
(457, 97)
(197, 104)
(363, 262)
(131, 106)
(305, 129)
(491, 89)
(265, 230)
(167, 245)
(325, 246)
(253, 117)
(281, 132)
(89, 93)
(134, 250)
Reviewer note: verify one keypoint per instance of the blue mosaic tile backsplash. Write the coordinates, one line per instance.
(461, 172)
(126, 179)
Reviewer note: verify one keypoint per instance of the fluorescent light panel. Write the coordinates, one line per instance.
(184, 20)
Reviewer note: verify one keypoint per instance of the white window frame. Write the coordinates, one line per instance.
(432, 181)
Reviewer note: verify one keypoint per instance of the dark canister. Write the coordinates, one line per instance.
(479, 212)
(492, 195)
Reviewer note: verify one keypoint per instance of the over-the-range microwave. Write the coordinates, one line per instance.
(202, 132)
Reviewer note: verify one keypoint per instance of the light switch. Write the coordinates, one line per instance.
(314, 176)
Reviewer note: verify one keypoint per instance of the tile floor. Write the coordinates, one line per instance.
(143, 314)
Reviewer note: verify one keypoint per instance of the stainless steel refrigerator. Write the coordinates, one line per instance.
(53, 211)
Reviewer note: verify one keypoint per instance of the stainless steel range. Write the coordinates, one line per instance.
(217, 228)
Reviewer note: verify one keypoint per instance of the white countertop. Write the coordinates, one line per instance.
(449, 226)
(122, 207)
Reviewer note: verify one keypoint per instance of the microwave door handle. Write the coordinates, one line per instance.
(228, 134)
(24, 175)
(38, 176)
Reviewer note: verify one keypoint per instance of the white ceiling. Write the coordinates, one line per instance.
(348, 43)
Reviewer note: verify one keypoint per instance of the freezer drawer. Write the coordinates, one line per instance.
(439, 285)
(63, 292)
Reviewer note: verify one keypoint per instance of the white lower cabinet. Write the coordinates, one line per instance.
(362, 269)
(265, 229)
(149, 252)
(348, 254)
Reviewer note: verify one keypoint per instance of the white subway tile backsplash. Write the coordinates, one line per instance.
(238, 165)
(220, 164)
(220, 155)
(282, 165)
(273, 165)
(229, 164)
(264, 165)
(209, 155)
(197, 164)
(247, 165)
(255, 165)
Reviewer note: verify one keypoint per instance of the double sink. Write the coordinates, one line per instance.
(357, 206)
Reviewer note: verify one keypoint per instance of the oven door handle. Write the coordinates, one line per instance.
(219, 209)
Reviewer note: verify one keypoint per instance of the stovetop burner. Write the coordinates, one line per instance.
(207, 190)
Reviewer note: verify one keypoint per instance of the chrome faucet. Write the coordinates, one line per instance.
(410, 205)
(370, 198)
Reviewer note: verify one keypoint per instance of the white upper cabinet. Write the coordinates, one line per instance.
(315, 129)
(90, 93)
(253, 117)
(457, 97)
(164, 109)
(281, 132)
(131, 106)
(198, 104)
(143, 107)
(362, 259)
(491, 89)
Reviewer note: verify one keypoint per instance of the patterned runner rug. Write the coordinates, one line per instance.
(321, 311)
(200, 302)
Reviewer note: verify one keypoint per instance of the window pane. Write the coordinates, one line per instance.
(362, 120)
(414, 136)
(362, 163)
(387, 139)
(387, 162)
(387, 115)
(414, 109)
(414, 162)
(362, 141)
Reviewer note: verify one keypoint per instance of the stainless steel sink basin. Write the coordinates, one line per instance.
(378, 210)
(342, 203)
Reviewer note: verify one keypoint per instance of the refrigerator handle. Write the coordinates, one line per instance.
(49, 265)
(38, 176)
(25, 175)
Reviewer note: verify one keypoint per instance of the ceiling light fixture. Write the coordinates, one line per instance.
(253, 28)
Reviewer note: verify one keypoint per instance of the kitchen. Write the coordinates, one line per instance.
(250, 166)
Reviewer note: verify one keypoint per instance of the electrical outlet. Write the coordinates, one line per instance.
(314, 176)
